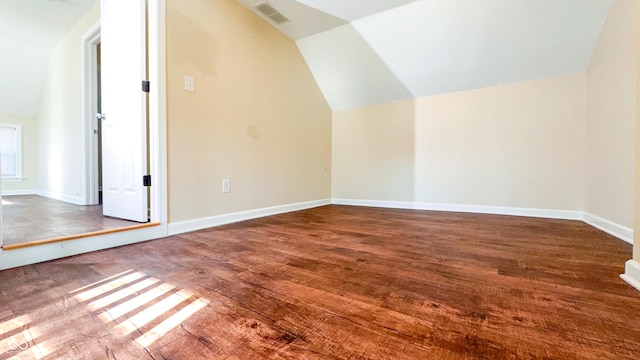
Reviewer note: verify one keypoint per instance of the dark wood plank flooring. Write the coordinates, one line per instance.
(334, 283)
(28, 218)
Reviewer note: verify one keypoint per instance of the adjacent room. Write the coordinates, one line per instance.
(311, 179)
(53, 153)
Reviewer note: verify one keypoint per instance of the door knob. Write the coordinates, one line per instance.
(102, 116)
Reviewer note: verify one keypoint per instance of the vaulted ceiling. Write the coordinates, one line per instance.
(361, 52)
(29, 29)
(365, 52)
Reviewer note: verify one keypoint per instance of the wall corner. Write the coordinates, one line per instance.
(632, 273)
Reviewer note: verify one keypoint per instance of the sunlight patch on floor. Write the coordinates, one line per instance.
(173, 321)
(146, 316)
(131, 303)
(130, 291)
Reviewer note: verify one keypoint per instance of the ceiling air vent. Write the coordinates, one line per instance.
(271, 13)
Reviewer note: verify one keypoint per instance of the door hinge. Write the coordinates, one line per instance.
(146, 180)
(145, 86)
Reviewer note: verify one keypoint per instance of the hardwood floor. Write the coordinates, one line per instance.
(30, 218)
(334, 283)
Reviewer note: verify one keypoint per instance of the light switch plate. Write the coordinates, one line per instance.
(189, 84)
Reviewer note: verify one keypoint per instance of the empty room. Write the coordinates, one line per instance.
(319, 179)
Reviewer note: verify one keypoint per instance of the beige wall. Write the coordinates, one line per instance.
(257, 116)
(373, 152)
(611, 114)
(516, 145)
(60, 134)
(29, 152)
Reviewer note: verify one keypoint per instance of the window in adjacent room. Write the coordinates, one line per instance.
(11, 152)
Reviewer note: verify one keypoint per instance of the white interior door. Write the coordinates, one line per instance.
(124, 107)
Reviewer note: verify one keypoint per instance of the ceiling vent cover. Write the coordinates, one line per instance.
(271, 13)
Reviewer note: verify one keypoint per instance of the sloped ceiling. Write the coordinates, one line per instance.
(29, 29)
(365, 52)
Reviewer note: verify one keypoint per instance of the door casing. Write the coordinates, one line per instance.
(90, 40)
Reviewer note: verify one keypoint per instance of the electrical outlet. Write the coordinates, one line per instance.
(226, 185)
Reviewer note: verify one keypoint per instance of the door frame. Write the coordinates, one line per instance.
(157, 70)
(90, 40)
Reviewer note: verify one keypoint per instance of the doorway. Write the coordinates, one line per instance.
(92, 104)
(98, 77)
(117, 111)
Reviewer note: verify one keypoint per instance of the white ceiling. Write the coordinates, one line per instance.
(41, 23)
(348, 70)
(352, 10)
(29, 29)
(308, 21)
(361, 52)
(395, 49)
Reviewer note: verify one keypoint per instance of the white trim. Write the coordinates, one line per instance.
(13, 179)
(78, 200)
(374, 203)
(157, 109)
(19, 192)
(632, 273)
(35, 254)
(89, 41)
(213, 221)
(496, 210)
(621, 232)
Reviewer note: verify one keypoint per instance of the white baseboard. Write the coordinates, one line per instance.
(632, 273)
(19, 192)
(495, 210)
(212, 221)
(621, 232)
(62, 197)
